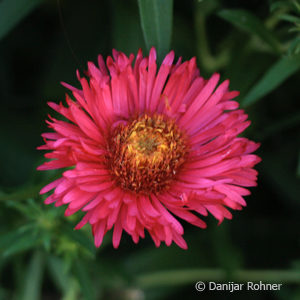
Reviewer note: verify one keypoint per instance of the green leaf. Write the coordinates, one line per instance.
(84, 279)
(249, 23)
(156, 20)
(294, 47)
(296, 5)
(228, 256)
(296, 28)
(58, 273)
(33, 279)
(13, 11)
(281, 5)
(278, 174)
(80, 237)
(8, 238)
(276, 75)
(67, 284)
(281, 125)
(290, 18)
(298, 167)
(126, 32)
(18, 240)
(30, 208)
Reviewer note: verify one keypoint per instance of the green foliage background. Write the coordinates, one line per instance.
(254, 43)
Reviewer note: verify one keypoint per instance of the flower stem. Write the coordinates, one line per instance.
(209, 62)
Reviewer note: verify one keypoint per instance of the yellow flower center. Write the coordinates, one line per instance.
(146, 154)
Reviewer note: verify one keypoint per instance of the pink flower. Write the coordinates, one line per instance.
(144, 146)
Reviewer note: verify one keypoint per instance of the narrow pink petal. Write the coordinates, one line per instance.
(117, 234)
(160, 80)
(99, 230)
(178, 239)
(147, 207)
(51, 186)
(150, 76)
(201, 99)
(54, 164)
(85, 123)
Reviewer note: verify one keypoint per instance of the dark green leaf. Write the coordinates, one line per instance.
(279, 126)
(13, 11)
(81, 238)
(228, 256)
(294, 47)
(298, 167)
(276, 173)
(156, 20)
(3, 294)
(126, 33)
(249, 23)
(277, 74)
(58, 273)
(8, 238)
(46, 240)
(296, 5)
(30, 208)
(281, 4)
(295, 29)
(84, 279)
(290, 18)
(33, 280)
(18, 240)
(62, 279)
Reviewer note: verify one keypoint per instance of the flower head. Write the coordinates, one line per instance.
(144, 147)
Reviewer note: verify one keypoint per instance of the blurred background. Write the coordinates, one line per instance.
(256, 44)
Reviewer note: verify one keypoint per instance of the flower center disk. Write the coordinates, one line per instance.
(146, 154)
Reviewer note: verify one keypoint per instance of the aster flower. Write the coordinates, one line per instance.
(145, 148)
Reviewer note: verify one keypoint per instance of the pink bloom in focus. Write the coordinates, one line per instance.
(147, 146)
